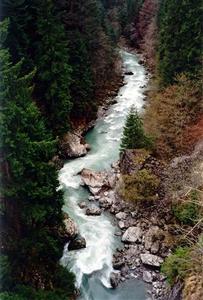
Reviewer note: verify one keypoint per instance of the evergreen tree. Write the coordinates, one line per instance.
(37, 35)
(180, 38)
(31, 215)
(133, 134)
(54, 71)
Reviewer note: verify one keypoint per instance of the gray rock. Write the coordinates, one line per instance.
(118, 263)
(133, 214)
(72, 145)
(121, 225)
(93, 211)
(105, 202)
(155, 247)
(151, 260)
(71, 228)
(78, 243)
(114, 279)
(150, 237)
(132, 235)
(82, 205)
(94, 180)
(121, 216)
(147, 276)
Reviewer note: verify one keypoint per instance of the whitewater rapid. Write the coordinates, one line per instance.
(93, 265)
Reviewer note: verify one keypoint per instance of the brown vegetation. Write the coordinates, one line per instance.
(171, 112)
(144, 35)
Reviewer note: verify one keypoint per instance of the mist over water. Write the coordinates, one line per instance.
(93, 265)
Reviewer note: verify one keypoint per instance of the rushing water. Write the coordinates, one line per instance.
(93, 265)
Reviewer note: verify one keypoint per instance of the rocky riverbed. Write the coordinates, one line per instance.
(143, 236)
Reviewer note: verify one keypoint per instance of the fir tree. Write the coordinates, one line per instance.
(54, 72)
(32, 220)
(180, 38)
(133, 134)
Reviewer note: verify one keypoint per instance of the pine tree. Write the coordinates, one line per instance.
(133, 134)
(32, 220)
(37, 35)
(54, 71)
(180, 38)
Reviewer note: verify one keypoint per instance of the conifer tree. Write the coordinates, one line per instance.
(180, 38)
(54, 72)
(31, 212)
(133, 134)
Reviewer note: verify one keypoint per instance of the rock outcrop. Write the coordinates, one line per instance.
(132, 235)
(151, 260)
(73, 145)
(77, 243)
(71, 228)
(93, 211)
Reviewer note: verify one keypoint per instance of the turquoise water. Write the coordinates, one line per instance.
(93, 265)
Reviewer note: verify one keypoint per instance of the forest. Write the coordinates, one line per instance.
(60, 61)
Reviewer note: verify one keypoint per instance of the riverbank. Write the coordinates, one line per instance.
(93, 264)
(142, 230)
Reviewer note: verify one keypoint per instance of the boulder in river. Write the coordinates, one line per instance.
(114, 279)
(72, 145)
(151, 260)
(94, 180)
(71, 228)
(93, 211)
(132, 235)
(82, 205)
(77, 243)
(129, 73)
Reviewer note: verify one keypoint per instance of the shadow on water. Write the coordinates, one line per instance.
(132, 289)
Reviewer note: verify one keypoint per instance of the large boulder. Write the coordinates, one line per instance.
(121, 216)
(114, 279)
(94, 180)
(152, 237)
(151, 260)
(132, 235)
(77, 243)
(93, 211)
(72, 145)
(71, 228)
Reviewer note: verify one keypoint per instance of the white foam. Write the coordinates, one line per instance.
(98, 231)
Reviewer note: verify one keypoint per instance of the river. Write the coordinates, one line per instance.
(93, 265)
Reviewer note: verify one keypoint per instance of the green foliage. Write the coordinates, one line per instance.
(82, 77)
(133, 134)
(31, 206)
(187, 211)
(140, 187)
(54, 72)
(176, 265)
(180, 38)
(5, 273)
(37, 36)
